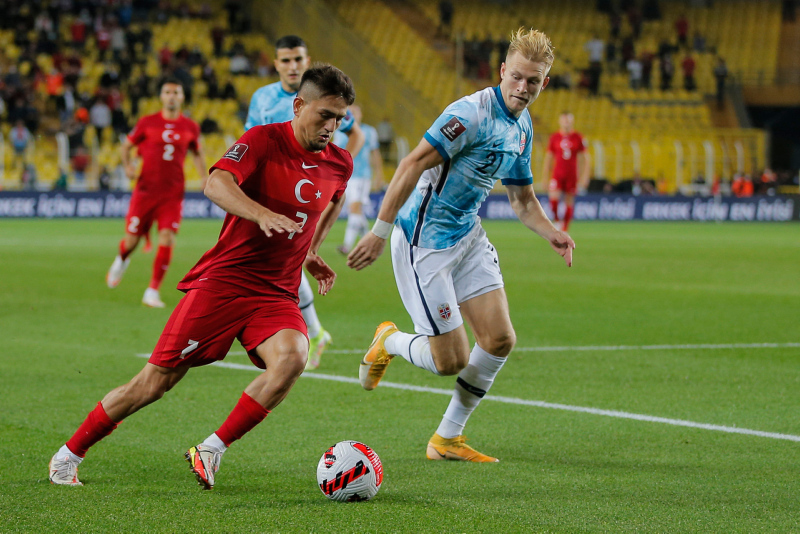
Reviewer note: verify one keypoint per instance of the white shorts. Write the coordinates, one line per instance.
(432, 283)
(357, 191)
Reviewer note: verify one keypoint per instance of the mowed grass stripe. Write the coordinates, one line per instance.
(538, 404)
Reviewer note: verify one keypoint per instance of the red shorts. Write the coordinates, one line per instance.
(204, 324)
(568, 183)
(146, 208)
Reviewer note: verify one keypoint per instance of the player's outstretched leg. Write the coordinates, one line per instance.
(204, 462)
(318, 337)
(373, 365)
(121, 262)
(64, 468)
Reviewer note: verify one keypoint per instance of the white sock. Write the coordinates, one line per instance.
(472, 384)
(355, 229)
(307, 308)
(213, 442)
(64, 451)
(416, 349)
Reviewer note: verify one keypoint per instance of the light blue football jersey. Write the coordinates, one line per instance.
(481, 141)
(362, 169)
(271, 104)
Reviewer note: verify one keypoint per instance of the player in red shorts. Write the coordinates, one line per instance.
(566, 146)
(163, 140)
(283, 187)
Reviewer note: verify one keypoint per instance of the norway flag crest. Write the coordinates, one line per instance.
(522, 140)
(444, 311)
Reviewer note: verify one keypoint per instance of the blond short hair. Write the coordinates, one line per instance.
(533, 45)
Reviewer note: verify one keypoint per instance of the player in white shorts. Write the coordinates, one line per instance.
(447, 271)
(367, 173)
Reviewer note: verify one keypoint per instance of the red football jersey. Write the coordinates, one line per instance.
(565, 148)
(274, 170)
(162, 145)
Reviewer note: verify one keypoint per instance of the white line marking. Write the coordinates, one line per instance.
(538, 404)
(699, 346)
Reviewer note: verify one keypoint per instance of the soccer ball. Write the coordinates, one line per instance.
(349, 471)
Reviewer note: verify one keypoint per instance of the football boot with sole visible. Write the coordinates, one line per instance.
(204, 463)
(152, 298)
(64, 470)
(374, 364)
(455, 448)
(116, 271)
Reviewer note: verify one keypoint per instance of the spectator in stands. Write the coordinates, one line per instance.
(611, 55)
(80, 163)
(103, 40)
(627, 51)
(118, 40)
(688, 66)
(667, 72)
(445, 27)
(615, 24)
(229, 91)
(78, 31)
(635, 73)
(20, 139)
(239, 63)
(682, 29)
(385, 137)
(742, 186)
(635, 19)
(595, 47)
(104, 179)
(769, 182)
(100, 116)
(28, 179)
(218, 38)
(699, 42)
(647, 68)
(721, 74)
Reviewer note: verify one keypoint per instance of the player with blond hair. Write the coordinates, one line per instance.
(445, 267)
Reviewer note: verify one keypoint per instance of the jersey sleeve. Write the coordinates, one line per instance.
(581, 143)
(347, 122)
(348, 173)
(454, 130)
(136, 136)
(245, 156)
(372, 139)
(253, 114)
(520, 173)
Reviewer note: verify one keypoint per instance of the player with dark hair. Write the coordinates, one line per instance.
(283, 187)
(163, 140)
(273, 103)
(568, 148)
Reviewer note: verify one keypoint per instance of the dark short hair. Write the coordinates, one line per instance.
(329, 81)
(170, 80)
(290, 41)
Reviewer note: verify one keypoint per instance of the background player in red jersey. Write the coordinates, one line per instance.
(279, 183)
(162, 140)
(568, 148)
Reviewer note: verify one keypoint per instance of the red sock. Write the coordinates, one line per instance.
(95, 427)
(123, 252)
(568, 216)
(160, 265)
(554, 208)
(244, 417)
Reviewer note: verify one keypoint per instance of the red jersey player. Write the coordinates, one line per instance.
(279, 183)
(162, 140)
(566, 147)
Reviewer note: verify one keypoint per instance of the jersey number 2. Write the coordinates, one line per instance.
(303, 219)
(169, 150)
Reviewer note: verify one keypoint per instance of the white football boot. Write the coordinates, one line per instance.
(64, 469)
(204, 463)
(152, 298)
(116, 271)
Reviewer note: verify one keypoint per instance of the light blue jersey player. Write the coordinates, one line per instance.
(275, 103)
(446, 268)
(367, 171)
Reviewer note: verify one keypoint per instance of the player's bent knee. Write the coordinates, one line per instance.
(499, 344)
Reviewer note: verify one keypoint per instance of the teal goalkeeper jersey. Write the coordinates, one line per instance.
(271, 104)
(481, 141)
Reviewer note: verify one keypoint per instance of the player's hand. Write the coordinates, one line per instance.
(273, 222)
(130, 171)
(366, 251)
(321, 272)
(563, 244)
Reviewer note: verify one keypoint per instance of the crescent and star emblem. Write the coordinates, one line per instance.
(297, 188)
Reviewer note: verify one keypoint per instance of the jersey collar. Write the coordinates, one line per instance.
(500, 102)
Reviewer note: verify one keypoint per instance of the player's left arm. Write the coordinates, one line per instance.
(584, 168)
(355, 140)
(530, 212)
(376, 161)
(315, 265)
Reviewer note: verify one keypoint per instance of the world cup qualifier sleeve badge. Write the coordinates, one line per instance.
(445, 312)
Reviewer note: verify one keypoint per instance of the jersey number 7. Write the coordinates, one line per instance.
(303, 219)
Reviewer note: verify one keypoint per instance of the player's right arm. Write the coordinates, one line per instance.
(411, 167)
(126, 159)
(223, 189)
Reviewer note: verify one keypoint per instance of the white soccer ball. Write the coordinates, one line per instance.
(349, 471)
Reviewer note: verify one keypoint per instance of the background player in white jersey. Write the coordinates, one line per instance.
(444, 265)
(273, 103)
(367, 174)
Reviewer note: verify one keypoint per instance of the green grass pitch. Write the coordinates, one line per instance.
(67, 340)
